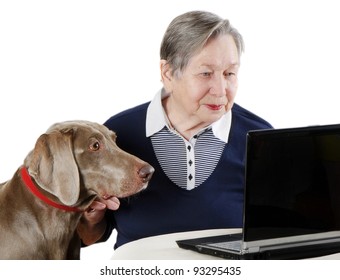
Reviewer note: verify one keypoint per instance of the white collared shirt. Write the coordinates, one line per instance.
(186, 163)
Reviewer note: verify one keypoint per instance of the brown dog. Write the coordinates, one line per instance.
(71, 164)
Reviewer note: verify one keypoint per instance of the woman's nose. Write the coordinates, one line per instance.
(219, 86)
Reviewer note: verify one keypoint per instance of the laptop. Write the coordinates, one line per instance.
(291, 198)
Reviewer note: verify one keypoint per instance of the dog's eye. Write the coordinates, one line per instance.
(95, 146)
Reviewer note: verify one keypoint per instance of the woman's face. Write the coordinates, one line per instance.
(206, 89)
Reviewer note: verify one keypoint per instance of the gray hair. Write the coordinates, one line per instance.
(188, 33)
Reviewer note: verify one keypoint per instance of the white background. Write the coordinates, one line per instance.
(64, 60)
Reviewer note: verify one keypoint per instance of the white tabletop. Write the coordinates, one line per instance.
(164, 247)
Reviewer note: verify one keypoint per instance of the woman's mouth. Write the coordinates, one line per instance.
(214, 107)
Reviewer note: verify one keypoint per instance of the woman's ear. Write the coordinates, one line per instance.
(166, 75)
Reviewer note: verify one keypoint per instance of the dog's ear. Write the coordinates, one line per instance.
(53, 166)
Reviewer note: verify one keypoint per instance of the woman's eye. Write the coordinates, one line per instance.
(95, 146)
(206, 74)
(232, 76)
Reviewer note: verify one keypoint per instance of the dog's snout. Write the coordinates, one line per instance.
(145, 173)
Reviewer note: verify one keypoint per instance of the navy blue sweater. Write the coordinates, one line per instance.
(166, 208)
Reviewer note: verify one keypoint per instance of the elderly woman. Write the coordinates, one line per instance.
(192, 133)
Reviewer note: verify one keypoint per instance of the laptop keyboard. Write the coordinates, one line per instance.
(228, 245)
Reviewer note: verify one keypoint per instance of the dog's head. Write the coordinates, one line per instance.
(76, 160)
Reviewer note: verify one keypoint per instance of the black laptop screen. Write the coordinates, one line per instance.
(292, 182)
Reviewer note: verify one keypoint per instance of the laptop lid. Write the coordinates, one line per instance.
(292, 192)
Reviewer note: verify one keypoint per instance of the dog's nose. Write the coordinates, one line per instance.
(146, 173)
